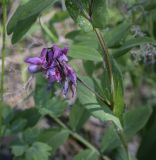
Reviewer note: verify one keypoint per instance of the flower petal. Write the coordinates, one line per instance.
(44, 52)
(34, 60)
(53, 74)
(65, 87)
(33, 68)
(73, 89)
(65, 50)
(70, 73)
(63, 58)
(56, 51)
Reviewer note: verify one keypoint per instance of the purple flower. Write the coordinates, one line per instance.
(52, 62)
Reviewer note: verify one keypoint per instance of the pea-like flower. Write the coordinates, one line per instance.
(52, 62)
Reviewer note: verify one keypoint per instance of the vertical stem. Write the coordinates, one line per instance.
(4, 13)
(107, 62)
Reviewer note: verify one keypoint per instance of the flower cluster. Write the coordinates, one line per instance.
(53, 64)
(144, 54)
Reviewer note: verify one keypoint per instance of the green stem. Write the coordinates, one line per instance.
(107, 62)
(77, 136)
(122, 138)
(4, 13)
(48, 31)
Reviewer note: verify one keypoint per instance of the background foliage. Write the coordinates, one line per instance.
(128, 28)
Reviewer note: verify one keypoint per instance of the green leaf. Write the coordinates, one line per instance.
(59, 17)
(89, 101)
(150, 4)
(73, 8)
(86, 155)
(83, 38)
(78, 117)
(31, 8)
(135, 119)
(118, 89)
(121, 154)
(129, 44)
(71, 35)
(54, 137)
(54, 106)
(115, 35)
(38, 151)
(24, 16)
(22, 27)
(103, 84)
(7, 114)
(18, 125)
(40, 91)
(18, 150)
(31, 135)
(89, 67)
(112, 145)
(148, 140)
(84, 53)
(153, 14)
(32, 116)
(99, 13)
(110, 140)
(84, 24)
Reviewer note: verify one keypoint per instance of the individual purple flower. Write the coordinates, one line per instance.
(52, 62)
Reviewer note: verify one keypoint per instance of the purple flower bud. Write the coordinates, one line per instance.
(33, 68)
(53, 64)
(34, 60)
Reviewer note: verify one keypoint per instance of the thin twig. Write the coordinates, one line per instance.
(97, 94)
